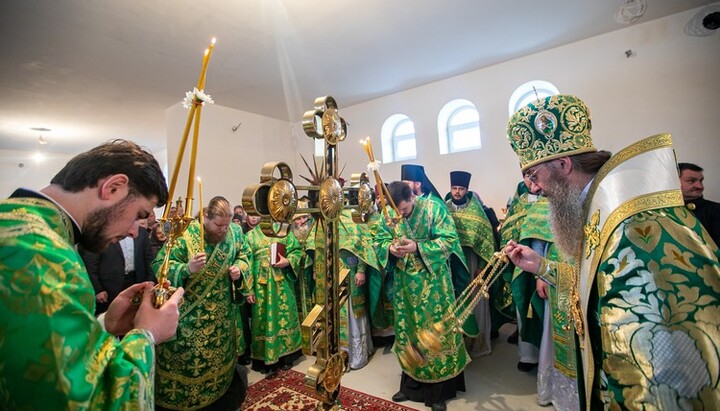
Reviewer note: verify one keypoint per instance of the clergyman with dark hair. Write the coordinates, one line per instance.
(419, 251)
(54, 353)
(708, 212)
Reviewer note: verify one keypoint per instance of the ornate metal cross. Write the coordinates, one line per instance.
(275, 200)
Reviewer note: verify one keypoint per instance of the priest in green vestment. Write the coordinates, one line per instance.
(415, 176)
(380, 289)
(644, 279)
(419, 249)
(196, 369)
(556, 369)
(358, 255)
(302, 228)
(276, 335)
(529, 307)
(476, 227)
(54, 353)
(503, 307)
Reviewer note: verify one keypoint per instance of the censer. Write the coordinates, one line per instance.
(429, 340)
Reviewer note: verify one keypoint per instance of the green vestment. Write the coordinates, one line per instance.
(304, 287)
(196, 367)
(536, 226)
(275, 323)
(477, 238)
(474, 229)
(356, 255)
(423, 287)
(510, 230)
(53, 352)
(531, 307)
(649, 288)
(379, 290)
(355, 241)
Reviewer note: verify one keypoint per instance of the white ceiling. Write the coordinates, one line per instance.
(95, 70)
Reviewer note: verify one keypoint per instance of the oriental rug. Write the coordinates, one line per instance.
(285, 390)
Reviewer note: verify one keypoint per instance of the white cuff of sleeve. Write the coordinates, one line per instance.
(101, 320)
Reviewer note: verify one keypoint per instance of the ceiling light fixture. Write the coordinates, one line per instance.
(705, 23)
(631, 11)
(41, 140)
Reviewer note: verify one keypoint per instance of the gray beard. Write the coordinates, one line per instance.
(301, 233)
(567, 218)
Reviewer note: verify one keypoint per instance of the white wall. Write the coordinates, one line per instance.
(670, 85)
(33, 174)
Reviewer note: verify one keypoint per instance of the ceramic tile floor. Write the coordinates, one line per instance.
(493, 382)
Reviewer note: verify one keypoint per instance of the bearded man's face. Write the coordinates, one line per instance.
(567, 218)
(216, 228)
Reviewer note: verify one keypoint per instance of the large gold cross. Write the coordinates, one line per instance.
(275, 200)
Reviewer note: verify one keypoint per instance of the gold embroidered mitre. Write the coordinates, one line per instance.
(554, 127)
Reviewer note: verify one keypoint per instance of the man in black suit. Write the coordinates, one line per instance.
(110, 273)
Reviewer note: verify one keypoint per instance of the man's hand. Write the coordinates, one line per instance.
(282, 263)
(101, 297)
(197, 262)
(235, 273)
(121, 313)
(161, 322)
(394, 250)
(359, 279)
(542, 289)
(523, 257)
(407, 246)
(250, 299)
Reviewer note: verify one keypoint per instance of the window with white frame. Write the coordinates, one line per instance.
(529, 92)
(398, 139)
(459, 127)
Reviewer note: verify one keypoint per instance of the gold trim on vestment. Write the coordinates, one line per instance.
(187, 381)
(628, 208)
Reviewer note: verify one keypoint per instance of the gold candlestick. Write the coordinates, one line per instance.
(191, 115)
(201, 217)
(194, 101)
(193, 159)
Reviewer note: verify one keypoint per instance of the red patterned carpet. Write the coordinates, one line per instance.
(286, 391)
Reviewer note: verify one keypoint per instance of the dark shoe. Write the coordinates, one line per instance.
(399, 397)
(243, 360)
(513, 338)
(494, 334)
(439, 407)
(286, 366)
(526, 366)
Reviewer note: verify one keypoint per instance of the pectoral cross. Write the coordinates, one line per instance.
(275, 200)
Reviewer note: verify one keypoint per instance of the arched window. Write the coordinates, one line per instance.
(525, 94)
(459, 127)
(398, 139)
